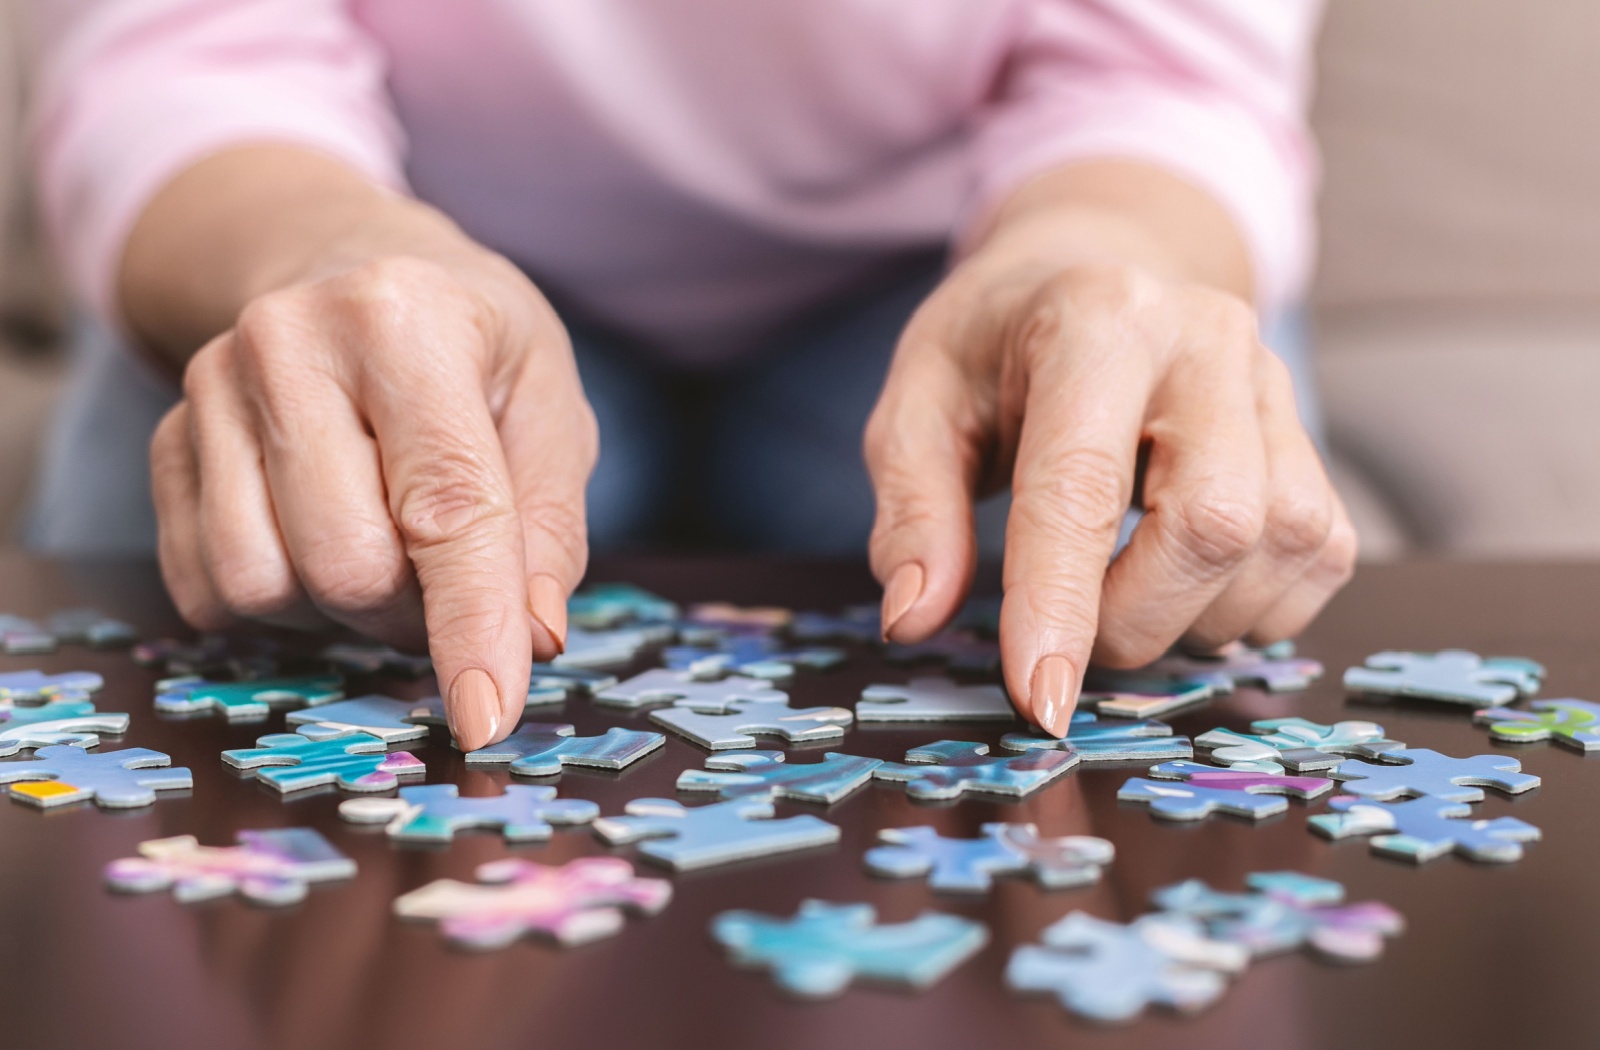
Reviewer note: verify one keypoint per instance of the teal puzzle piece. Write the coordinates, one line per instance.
(248, 700)
(540, 749)
(355, 761)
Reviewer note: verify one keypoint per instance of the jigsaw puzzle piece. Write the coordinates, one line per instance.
(932, 699)
(1109, 740)
(36, 686)
(957, 650)
(857, 623)
(1275, 668)
(1421, 771)
(90, 627)
(968, 865)
(380, 716)
(737, 724)
(1574, 723)
(662, 686)
(1137, 694)
(373, 658)
(580, 901)
(540, 749)
(601, 606)
(1209, 789)
(1286, 911)
(1296, 744)
(767, 774)
(246, 700)
(355, 762)
(1422, 829)
(949, 768)
(266, 867)
(81, 730)
(721, 833)
(755, 656)
(818, 952)
(1452, 675)
(435, 812)
(616, 647)
(61, 774)
(1109, 972)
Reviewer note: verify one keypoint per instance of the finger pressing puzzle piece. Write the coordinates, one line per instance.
(1208, 789)
(739, 722)
(1575, 723)
(1421, 829)
(578, 902)
(435, 812)
(267, 867)
(825, 946)
(248, 700)
(61, 774)
(661, 686)
(720, 833)
(1420, 771)
(948, 768)
(1109, 972)
(1285, 911)
(36, 685)
(1302, 746)
(968, 865)
(932, 699)
(540, 749)
(355, 761)
(1108, 740)
(766, 774)
(1452, 675)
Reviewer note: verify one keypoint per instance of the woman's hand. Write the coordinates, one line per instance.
(393, 437)
(1073, 356)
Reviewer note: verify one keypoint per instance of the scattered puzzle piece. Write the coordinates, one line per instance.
(248, 700)
(1208, 789)
(1420, 771)
(1109, 972)
(61, 774)
(968, 865)
(1134, 694)
(92, 628)
(931, 699)
(1109, 740)
(1275, 668)
(372, 658)
(858, 623)
(720, 833)
(355, 761)
(435, 812)
(1575, 723)
(955, 649)
(78, 731)
(825, 946)
(1287, 911)
(62, 705)
(755, 656)
(1452, 675)
(737, 724)
(1295, 744)
(38, 686)
(578, 902)
(603, 605)
(763, 619)
(380, 716)
(540, 749)
(1421, 829)
(766, 774)
(661, 686)
(615, 647)
(948, 768)
(267, 867)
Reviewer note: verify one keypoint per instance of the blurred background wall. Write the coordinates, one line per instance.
(1457, 309)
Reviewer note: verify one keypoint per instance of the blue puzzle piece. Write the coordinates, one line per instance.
(968, 865)
(1108, 740)
(1421, 829)
(663, 686)
(355, 761)
(603, 605)
(767, 774)
(1295, 744)
(36, 685)
(825, 946)
(1287, 910)
(249, 700)
(948, 768)
(756, 656)
(540, 749)
(90, 627)
(1421, 771)
(934, 699)
(61, 774)
(383, 717)
(1452, 675)
(435, 812)
(1275, 668)
(720, 833)
(1140, 694)
(1209, 789)
(737, 724)
(80, 730)
(373, 658)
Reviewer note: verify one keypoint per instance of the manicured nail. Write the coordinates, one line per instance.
(1050, 694)
(904, 588)
(474, 709)
(547, 602)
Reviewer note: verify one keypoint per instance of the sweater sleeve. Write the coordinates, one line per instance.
(128, 93)
(1212, 90)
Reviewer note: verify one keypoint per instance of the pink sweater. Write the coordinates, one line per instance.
(692, 171)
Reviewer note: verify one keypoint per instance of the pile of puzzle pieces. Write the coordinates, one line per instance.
(721, 685)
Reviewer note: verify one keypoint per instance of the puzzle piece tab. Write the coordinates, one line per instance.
(1286, 911)
(1574, 723)
(355, 761)
(933, 699)
(968, 865)
(1422, 829)
(38, 686)
(540, 749)
(1208, 789)
(1452, 675)
(578, 902)
(737, 724)
(61, 774)
(267, 867)
(435, 812)
(1421, 771)
(949, 768)
(825, 946)
(720, 833)
(1108, 740)
(80, 730)
(1295, 744)
(766, 774)
(248, 700)
(661, 686)
(1109, 972)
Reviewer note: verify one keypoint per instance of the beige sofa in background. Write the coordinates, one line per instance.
(1457, 310)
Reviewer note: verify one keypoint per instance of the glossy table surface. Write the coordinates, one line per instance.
(1494, 955)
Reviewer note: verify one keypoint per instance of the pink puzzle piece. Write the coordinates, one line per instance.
(577, 902)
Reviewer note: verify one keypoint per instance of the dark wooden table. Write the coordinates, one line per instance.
(1494, 955)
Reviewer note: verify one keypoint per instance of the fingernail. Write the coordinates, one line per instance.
(1050, 694)
(904, 588)
(474, 709)
(547, 602)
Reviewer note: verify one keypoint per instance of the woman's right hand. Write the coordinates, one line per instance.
(393, 438)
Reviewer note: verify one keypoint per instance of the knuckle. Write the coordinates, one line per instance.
(1298, 524)
(272, 322)
(1081, 492)
(456, 502)
(1231, 318)
(253, 587)
(387, 294)
(1218, 528)
(563, 533)
(1339, 555)
(350, 575)
(1124, 647)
